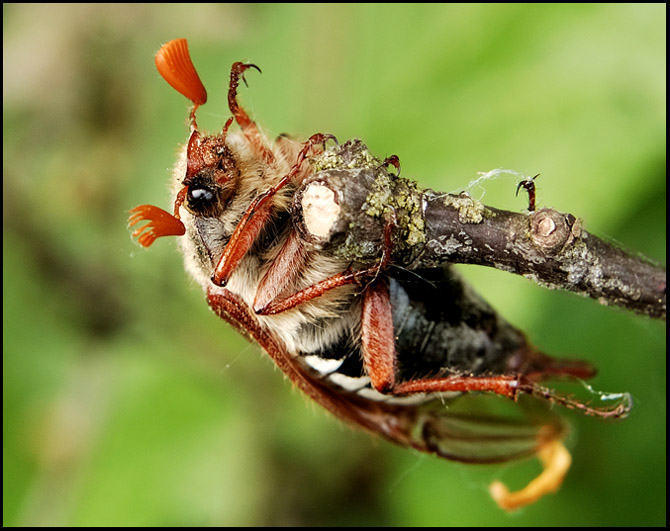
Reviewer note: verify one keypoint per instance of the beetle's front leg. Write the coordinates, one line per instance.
(256, 217)
(286, 268)
(249, 127)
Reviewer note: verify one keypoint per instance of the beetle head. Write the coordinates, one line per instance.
(211, 168)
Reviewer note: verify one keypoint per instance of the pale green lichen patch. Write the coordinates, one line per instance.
(353, 154)
(327, 160)
(358, 250)
(388, 194)
(362, 158)
(401, 197)
(469, 210)
(585, 268)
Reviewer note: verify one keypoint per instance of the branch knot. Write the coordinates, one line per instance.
(552, 231)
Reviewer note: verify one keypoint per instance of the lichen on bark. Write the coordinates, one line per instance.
(432, 229)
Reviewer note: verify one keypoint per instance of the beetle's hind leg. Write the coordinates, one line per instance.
(379, 355)
(380, 361)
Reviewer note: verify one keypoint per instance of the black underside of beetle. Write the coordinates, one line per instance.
(442, 327)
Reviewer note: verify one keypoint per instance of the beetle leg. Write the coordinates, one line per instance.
(282, 273)
(378, 337)
(284, 269)
(275, 306)
(249, 127)
(529, 185)
(394, 161)
(379, 356)
(256, 217)
(378, 340)
(264, 306)
(379, 359)
(614, 406)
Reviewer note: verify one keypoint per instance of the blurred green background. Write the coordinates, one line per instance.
(127, 402)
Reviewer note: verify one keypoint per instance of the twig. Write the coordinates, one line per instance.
(343, 207)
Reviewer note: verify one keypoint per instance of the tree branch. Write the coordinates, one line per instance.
(343, 207)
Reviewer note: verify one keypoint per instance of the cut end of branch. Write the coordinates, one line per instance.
(320, 210)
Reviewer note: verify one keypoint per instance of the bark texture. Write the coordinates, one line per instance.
(431, 229)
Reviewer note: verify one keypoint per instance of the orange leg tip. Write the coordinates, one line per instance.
(556, 461)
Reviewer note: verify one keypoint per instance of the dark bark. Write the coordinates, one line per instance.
(432, 229)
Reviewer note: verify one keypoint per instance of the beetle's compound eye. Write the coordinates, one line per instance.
(201, 200)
